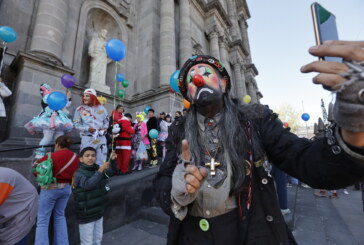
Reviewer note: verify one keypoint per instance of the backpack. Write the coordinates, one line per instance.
(44, 172)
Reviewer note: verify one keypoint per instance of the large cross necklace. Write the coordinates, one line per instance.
(212, 164)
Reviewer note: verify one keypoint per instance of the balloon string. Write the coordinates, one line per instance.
(3, 57)
(113, 114)
(122, 98)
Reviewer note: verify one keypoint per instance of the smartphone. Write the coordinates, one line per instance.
(324, 24)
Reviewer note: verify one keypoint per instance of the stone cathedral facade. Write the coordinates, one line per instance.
(159, 35)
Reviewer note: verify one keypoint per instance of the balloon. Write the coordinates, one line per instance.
(173, 81)
(120, 77)
(68, 80)
(146, 109)
(121, 93)
(153, 133)
(186, 104)
(285, 125)
(125, 83)
(247, 99)
(115, 49)
(56, 100)
(102, 100)
(7, 34)
(305, 117)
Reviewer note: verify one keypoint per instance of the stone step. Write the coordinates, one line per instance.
(139, 232)
(155, 214)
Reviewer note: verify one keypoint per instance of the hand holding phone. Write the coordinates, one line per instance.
(324, 24)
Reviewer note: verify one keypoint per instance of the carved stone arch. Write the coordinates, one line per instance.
(86, 30)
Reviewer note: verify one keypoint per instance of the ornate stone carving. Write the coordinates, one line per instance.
(197, 49)
(124, 8)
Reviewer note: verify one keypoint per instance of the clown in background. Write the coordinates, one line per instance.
(49, 122)
(141, 135)
(92, 120)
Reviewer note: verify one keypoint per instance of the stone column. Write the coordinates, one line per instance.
(245, 38)
(223, 54)
(185, 49)
(240, 90)
(254, 89)
(214, 45)
(252, 92)
(50, 28)
(234, 32)
(243, 79)
(167, 59)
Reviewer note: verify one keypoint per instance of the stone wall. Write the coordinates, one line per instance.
(53, 38)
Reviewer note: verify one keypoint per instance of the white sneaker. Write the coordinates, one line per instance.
(305, 186)
(346, 191)
(285, 211)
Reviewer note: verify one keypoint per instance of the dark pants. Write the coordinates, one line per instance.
(362, 193)
(153, 149)
(223, 230)
(23, 241)
(281, 185)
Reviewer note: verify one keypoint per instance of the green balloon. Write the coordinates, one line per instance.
(121, 93)
(125, 83)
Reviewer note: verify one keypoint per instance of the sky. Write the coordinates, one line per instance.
(280, 34)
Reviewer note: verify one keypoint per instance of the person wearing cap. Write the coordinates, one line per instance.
(92, 120)
(215, 184)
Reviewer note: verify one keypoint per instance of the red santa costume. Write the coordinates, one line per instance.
(123, 144)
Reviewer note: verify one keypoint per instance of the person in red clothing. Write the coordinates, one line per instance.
(54, 199)
(123, 143)
(117, 114)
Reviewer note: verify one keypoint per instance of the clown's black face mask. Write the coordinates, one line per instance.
(205, 87)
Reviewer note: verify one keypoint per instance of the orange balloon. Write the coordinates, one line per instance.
(186, 104)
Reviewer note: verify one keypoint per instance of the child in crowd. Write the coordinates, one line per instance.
(141, 135)
(163, 133)
(90, 194)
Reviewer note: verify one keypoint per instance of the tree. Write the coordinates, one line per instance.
(288, 114)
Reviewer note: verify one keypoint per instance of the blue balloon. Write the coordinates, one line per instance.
(153, 133)
(56, 100)
(115, 49)
(305, 117)
(173, 81)
(146, 109)
(7, 34)
(120, 77)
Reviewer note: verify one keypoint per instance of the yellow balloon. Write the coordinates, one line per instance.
(247, 99)
(102, 100)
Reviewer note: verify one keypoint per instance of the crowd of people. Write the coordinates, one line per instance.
(108, 144)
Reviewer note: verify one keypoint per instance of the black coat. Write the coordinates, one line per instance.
(316, 163)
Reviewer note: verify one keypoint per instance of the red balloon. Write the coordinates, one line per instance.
(285, 125)
(198, 80)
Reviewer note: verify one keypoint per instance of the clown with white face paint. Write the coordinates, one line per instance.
(92, 120)
(214, 181)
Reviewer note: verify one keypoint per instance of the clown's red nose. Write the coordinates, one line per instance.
(198, 80)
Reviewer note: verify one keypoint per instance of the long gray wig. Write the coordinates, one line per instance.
(233, 137)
